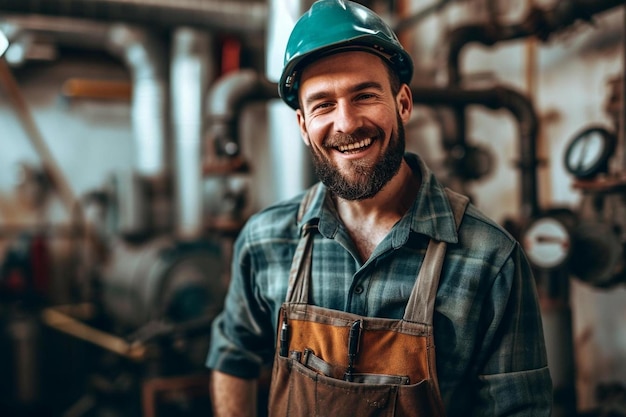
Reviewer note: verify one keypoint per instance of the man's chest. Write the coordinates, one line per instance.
(380, 287)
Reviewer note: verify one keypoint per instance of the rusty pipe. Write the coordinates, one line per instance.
(58, 319)
(225, 101)
(410, 21)
(216, 15)
(538, 22)
(498, 98)
(231, 92)
(191, 70)
(145, 57)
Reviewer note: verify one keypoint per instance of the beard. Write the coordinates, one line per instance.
(366, 179)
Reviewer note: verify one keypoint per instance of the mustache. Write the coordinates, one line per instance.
(339, 139)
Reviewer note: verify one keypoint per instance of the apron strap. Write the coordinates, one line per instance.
(300, 272)
(306, 201)
(421, 305)
(297, 291)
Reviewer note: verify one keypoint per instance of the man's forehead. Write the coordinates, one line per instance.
(348, 61)
(344, 70)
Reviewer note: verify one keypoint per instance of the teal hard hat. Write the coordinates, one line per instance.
(339, 25)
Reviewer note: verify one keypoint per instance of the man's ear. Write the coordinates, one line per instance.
(404, 101)
(303, 132)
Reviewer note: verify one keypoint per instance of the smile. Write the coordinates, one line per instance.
(355, 147)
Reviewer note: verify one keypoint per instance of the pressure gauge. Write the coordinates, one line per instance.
(547, 242)
(4, 44)
(589, 152)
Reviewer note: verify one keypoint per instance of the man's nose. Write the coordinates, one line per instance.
(348, 118)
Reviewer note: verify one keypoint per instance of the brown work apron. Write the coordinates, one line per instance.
(337, 364)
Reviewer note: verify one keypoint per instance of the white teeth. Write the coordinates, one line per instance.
(353, 146)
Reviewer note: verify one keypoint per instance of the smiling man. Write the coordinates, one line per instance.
(377, 292)
(353, 123)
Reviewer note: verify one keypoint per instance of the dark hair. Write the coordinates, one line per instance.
(394, 79)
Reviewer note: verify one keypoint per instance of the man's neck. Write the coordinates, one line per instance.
(369, 221)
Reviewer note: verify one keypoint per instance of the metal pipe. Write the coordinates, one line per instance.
(225, 101)
(538, 22)
(65, 31)
(244, 17)
(410, 21)
(289, 157)
(191, 71)
(144, 55)
(497, 98)
(621, 118)
(230, 93)
(4, 43)
(63, 322)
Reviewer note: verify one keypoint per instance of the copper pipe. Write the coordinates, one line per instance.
(80, 88)
(60, 320)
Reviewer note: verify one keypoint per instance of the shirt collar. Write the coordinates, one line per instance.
(429, 215)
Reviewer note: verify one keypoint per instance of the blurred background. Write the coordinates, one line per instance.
(136, 137)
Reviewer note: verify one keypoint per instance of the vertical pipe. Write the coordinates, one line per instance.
(622, 114)
(542, 150)
(289, 155)
(24, 335)
(4, 43)
(144, 55)
(556, 314)
(190, 73)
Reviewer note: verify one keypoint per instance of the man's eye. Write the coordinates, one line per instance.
(321, 106)
(365, 96)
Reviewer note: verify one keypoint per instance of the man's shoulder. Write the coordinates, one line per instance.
(274, 221)
(484, 234)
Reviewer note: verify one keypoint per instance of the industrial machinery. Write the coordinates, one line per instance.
(586, 242)
(146, 277)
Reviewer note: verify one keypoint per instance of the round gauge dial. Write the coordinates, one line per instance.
(547, 243)
(589, 152)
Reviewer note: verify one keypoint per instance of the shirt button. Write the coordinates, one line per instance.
(358, 289)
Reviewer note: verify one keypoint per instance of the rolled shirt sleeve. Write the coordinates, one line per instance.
(514, 380)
